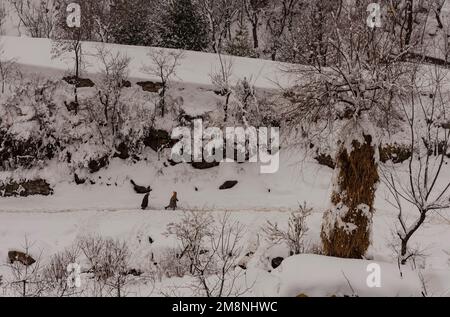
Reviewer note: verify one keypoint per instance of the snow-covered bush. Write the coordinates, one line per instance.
(55, 273)
(109, 264)
(28, 125)
(295, 232)
(212, 249)
(171, 265)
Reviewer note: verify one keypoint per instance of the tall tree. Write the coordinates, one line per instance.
(254, 10)
(351, 96)
(183, 27)
(280, 18)
(69, 40)
(38, 17)
(134, 22)
(220, 15)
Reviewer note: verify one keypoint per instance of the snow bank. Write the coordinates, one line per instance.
(315, 275)
(195, 66)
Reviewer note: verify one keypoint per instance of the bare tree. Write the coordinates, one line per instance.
(2, 17)
(349, 98)
(8, 68)
(426, 189)
(108, 259)
(114, 73)
(38, 17)
(280, 18)
(26, 280)
(55, 274)
(293, 236)
(220, 78)
(307, 39)
(163, 64)
(220, 15)
(69, 40)
(254, 10)
(213, 250)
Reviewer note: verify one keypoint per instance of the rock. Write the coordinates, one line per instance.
(122, 151)
(395, 153)
(244, 261)
(144, 203)
(80, 83)
(96, 165)
(276, 262)
(301, 295)
(72, 106)
(134, 272)
(150, 86)
(185, 119)
(228, 185)
(222, 92)
(15, 152)
(17, 256)
(79, 181)
(126, 83)
(140, 189)
(150, 240)
(204, 165)
(325, 160)
(172, 162)
(158, 140)
(25, 188)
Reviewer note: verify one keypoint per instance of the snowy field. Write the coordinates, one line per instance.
(111, 209)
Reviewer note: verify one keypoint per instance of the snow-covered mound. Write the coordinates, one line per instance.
(314, 275)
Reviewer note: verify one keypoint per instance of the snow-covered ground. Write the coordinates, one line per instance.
(54, 223)
(195, 67)
(110, 207)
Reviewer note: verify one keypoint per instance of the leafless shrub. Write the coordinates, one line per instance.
(108, 260)
(38, 17)
(2, 18)
(220, 78)
(111, 112)
(425, 190)
(293, 236)
(171, 265)
(212, 250)
(26, 280)
(163, 64)
(8, 68)
(55, 273)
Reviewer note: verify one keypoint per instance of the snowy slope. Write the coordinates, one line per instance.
(110, 207)
(195, 68)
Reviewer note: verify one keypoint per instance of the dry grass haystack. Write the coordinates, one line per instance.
(346, 228)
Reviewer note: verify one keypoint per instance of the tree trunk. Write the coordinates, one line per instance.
(163, 99)
(255, 35)
(347, 224)
(409, 21)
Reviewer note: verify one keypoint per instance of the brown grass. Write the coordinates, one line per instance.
(357, 179)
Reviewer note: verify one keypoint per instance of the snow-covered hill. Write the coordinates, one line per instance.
(195, 67)
(110, 207)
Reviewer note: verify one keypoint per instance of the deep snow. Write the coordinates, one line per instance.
(110, 207)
